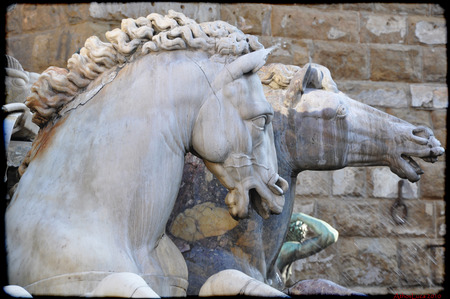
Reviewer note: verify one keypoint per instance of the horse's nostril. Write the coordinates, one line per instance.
(422, 131)
(282, 184)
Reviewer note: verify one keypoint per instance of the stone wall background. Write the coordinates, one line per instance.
(387, 55)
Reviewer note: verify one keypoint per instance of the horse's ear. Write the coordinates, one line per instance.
(298, 84)
(250, 62)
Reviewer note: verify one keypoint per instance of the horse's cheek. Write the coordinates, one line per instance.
(209, 142)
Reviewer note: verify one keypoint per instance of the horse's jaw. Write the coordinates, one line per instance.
(424, 146)
(250, 183)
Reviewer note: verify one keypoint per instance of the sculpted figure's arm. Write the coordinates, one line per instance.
(293, 250)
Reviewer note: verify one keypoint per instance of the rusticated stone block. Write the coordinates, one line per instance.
(19, 48)
(432, 182)
(396, 63)
(76, 13)
(429, 96)
(439, 118)
(385, 29)
(418, 117)
(438, 263)
(419, 220)
(250, 18)
(368, 262)
(440, 219)
(320, 265)
(305, 206)
(349, 181)
(345, 61)
(434, 64)
(301, 22)
(313, 183)
(351, 217)
(385, 184)
(13, 17)
(436, 9)
(289, 51)
(201, 12)
(401, 8)
(415, 259)
(427, 30)
(42, 16)
(377, 94)
(55, 47)
(439, 125)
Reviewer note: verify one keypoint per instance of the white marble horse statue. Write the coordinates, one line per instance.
(316, 127)
(89, 213)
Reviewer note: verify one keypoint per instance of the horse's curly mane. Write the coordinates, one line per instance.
(294, 79)
(277, 75)
(58, 86)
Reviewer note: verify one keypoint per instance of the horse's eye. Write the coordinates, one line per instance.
(260, 122)
(341, 111)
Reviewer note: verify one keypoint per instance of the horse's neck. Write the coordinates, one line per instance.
(157, 87)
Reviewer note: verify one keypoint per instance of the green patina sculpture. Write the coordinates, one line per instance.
(298, 246)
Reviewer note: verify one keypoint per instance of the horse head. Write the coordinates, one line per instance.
(333, 131)
(234, 136)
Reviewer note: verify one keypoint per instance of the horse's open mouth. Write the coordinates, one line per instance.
(255, 201)
(273, 205)
(413, 164)
(411, 170)
(264, 197)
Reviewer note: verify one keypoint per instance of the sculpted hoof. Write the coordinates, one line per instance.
(124, 284)
(233, 282)
(16, 291)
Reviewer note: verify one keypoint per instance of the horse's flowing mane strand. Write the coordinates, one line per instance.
(136, 37)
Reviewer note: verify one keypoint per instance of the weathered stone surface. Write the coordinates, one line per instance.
(438, 262)
(313, 183)
(385, 184)
(324, 264)
(305, 205)
(419, 220)
(434, 64)
(345, 61)
(320, 287)
(418, 117)
(201, 12)
(37, 16)
(414, 262)
(13, 24)
(349, 182)
(289, 51)
(401, 8)
(432, 182)
(351, 217)
(430, 31)
(439, 119)
(371, 262)
(76, 13)
(62, 43)
(441, 224)
(429, 96)
(306, 23)
(250, 18)
(383, 28)
(395, 64)
(376, 94)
